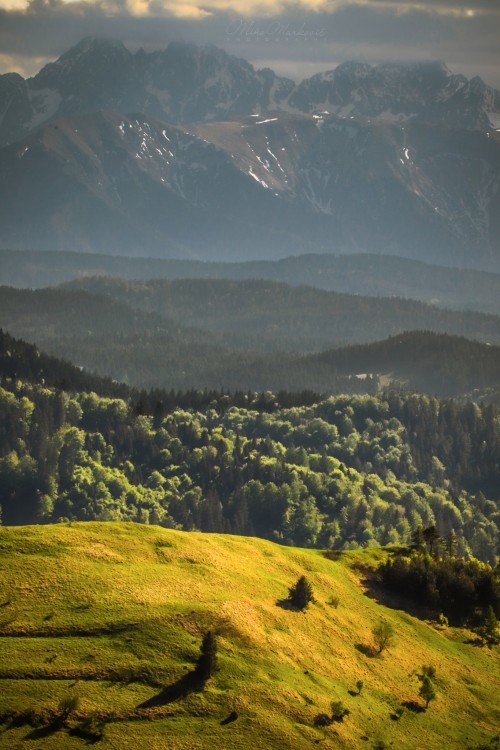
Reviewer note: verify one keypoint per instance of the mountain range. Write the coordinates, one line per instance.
(185, 83)
(191, 153)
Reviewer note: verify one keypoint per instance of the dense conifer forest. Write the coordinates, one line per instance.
(343, 472)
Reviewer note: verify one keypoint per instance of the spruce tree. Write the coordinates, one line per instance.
(301, 593)
(207, 660)
(489, 631)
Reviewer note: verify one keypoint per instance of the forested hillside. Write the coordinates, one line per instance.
(277, 316)
(346, 472)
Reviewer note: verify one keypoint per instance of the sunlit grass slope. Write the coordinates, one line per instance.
(114, 613)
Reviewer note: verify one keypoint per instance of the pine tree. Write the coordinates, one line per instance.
(489, 631)
(452, 544)
(301, 593)
(207, 661)
(417, 538)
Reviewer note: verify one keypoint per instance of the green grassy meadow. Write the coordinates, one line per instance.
(113, 614)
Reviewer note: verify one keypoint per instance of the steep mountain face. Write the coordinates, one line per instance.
(180, 84)
(424, 92)
(410, 189)
(122, 184)
(254, 187)
(185, 83)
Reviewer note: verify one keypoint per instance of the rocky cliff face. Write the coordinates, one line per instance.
(422, 92)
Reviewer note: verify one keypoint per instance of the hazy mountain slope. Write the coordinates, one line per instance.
(398, 159)
(414, 190)
(373, 275)
(423, 91)
(182, 83)
(280, 316)
(110, 608)
(124, 184)
(253, 189)
(52, 313)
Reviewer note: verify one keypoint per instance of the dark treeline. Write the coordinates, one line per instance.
(24, 361)
(426, 361)
(433, 574)
(343, 472)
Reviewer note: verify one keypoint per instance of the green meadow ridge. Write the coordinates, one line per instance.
(101, 626)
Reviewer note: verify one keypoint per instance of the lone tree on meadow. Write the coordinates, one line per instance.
(67, 706)
(427, 690)
(383, 636)
(207, 660)
(301, 593)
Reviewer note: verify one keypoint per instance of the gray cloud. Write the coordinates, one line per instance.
(371, 32)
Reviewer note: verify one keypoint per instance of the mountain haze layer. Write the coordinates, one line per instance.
(255, 336)
(365, 274)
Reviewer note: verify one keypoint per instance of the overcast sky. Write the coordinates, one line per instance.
(294, 38)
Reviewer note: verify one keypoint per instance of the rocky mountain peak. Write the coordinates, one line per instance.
(93, 51)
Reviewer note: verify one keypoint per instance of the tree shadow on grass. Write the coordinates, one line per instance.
(229, 719)
(365, 649)
(375, 589)
(413, 706)
(189, 683)
(90, 734)
(288, 605)
(46, 731)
